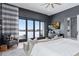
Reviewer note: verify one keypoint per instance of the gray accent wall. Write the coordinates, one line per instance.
(32, 14)
(62, 17)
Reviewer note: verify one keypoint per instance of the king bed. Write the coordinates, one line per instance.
(59, 47)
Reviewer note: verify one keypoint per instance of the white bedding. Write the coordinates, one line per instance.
(60, 47)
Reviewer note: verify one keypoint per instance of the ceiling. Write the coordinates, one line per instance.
(48, 11)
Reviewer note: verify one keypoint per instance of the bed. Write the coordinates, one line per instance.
(59, 47)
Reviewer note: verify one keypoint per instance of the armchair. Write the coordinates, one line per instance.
(9, 41)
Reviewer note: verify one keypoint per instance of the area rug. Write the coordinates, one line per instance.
(14, 52)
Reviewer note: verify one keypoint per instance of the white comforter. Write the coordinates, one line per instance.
(60, 47)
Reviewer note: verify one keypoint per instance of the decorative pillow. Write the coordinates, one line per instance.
(28, 46)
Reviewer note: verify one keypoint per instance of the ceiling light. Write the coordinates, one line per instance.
(50, 4)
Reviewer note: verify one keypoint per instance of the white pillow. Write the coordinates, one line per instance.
(28, 46)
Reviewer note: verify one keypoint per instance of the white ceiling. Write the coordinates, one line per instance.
(48, 11)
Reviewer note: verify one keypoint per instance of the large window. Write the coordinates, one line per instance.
(36, 28)
(22, 29)
(29, 29)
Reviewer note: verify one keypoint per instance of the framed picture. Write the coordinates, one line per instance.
(56, 24)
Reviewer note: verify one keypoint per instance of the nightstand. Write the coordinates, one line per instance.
(3, 48)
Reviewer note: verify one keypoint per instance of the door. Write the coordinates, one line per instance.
(29, 29)
(77, 27)
(74, 27)
(22, 30)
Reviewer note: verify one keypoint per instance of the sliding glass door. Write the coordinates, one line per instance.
(22, 29)
(37, 29)
(29, 29)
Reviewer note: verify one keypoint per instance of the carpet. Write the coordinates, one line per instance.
(14, 52)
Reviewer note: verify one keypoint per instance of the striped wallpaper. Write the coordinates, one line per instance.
(0, 21)
(10, 16)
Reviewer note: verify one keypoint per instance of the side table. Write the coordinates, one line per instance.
(3, 48)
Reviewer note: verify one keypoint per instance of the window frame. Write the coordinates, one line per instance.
(25, 18)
